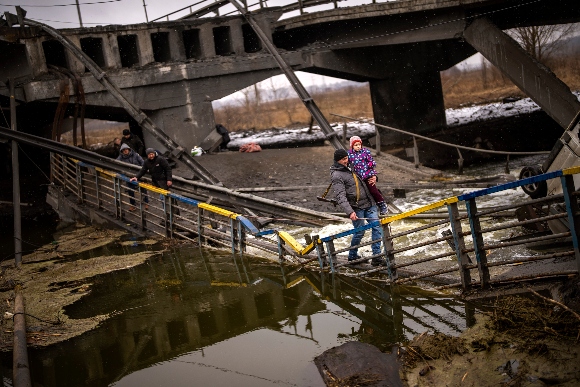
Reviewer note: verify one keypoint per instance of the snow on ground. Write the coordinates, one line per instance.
(455, 117)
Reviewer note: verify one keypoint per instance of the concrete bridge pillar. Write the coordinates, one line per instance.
(74, 65)
(410, 102)
(145, 48)
(176, 47)
(35, 56)
(111, 52)
(187, 125)
(206, 43)
(237, 36)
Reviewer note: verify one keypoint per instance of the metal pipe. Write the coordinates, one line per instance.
(145, 8)
(15, 182)
(79, 12)
(442, 142)
(20, 369)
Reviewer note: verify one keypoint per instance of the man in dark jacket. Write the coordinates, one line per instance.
(159, 169)
(225, 136)
(357, 202)
(127, 155)
(133, 141)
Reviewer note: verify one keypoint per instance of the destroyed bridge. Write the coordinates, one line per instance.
(174, 69)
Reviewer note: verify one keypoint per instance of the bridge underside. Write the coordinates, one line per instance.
(173, 70)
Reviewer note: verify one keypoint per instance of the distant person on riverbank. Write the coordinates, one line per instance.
(133, 141)
(225, 136)
(129, 156)
(355, 199)
(364, 165)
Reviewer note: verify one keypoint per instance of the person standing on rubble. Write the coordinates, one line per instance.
(127, 155)
(133, 141)
(357, 202)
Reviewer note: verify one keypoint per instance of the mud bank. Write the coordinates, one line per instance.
(57, 275)
(517, 341)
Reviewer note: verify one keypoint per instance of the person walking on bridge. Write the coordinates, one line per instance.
(159, 169)
(133, 141)
(357, 202)
(129, 156)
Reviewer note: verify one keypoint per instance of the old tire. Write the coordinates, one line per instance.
(535, 190)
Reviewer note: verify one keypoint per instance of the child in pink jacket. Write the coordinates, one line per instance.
(364, 165)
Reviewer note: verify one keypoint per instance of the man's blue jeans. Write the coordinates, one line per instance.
(372, 215)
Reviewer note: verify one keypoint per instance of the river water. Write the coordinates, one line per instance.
(202, 317)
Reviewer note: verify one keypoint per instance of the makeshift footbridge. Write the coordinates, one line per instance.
(470, 247)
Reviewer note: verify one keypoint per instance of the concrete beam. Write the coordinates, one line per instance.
(206, 42)
(35, 57)
(534, 79)
(145, 48)
(74, 65)
(111, 51)
(176, 47)
(237, 36)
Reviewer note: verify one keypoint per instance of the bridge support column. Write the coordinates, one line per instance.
(206, 43)
(187, 125)
(237, 36)
(74, 64)
(35, 56)
(111, 52)
(413, 102)
(145, 48)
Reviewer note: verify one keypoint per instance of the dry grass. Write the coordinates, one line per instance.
(460, 88)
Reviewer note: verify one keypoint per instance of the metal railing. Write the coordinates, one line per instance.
(463, 250)
(204, 7)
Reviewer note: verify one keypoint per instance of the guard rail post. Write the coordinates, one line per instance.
(97, 191)
(280, 248)
(165, 219)
(331, 254)
(172, 213)
(241, 237)
(142, 216)
(117, 198)
(79, 183)
(572, 209)
(459, 243)
(200, 226)
(478, 246)
(389, 256)
(233, 236)
(319, 250)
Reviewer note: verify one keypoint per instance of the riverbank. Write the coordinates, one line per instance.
(528, 340)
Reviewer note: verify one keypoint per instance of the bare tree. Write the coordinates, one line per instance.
(542, 42)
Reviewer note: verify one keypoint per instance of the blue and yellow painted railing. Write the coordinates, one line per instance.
(292, 244)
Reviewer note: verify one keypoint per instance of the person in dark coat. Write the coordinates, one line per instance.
(133, 141)
(357, 202)
(159, 169)
(225, 136)
(127, 155)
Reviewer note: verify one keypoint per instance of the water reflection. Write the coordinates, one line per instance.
(204, 317)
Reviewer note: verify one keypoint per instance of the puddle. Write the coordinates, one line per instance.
(204, 315)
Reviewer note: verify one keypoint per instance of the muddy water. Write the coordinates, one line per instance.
(203, 317)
